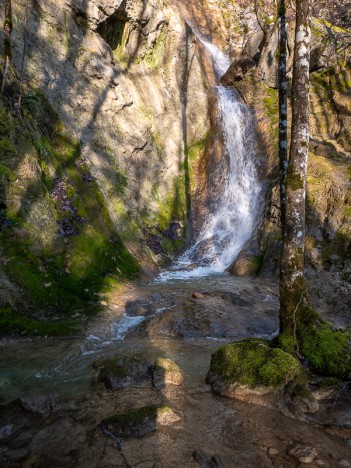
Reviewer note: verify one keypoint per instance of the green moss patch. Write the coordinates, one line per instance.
(253, 363)
(13, 322)
(328, 350)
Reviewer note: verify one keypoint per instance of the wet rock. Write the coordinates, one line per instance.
(219, 314)
(166, 372)
(206, 461)
(237, 71)
(319, 462)
(139, 422)
(17, 455)
(121, 372)
(344, 463)
(137, 308)
(21, 440)
(302, 398)
(201, 458)
(8, 432)
(41, 404)
(246, 265)
(304, 453)
(148, 306)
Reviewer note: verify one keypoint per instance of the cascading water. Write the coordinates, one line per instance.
(233, 218)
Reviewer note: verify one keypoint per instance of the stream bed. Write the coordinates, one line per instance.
(52, 398)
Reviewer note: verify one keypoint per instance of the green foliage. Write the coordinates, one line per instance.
(254, 363)
(6, 172)
(328, 350)
(13, 322)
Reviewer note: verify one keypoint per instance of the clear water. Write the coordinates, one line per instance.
(233, 217)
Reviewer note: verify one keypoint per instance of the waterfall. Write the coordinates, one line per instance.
(233, 217)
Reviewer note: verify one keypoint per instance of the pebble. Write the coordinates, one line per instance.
(304, 453)
(6, 432)
(197, 295)
(272, 451)
(344, 463)
(319, 462)
(17, 455)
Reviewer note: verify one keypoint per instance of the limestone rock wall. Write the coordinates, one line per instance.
(125, 81)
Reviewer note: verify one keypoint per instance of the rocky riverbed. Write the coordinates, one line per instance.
(58, 411)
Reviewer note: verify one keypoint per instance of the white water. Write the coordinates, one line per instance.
(233, 218)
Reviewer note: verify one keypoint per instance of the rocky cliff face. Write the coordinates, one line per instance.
(100, 164)
(126, 85)
(114, 119)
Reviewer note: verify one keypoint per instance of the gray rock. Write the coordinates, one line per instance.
(17, 455)
(8, 432)
(344, 463)
(139, 422)
(120, 372)
(40, 403)
(21, 440)
(166, 372)
(304, 453)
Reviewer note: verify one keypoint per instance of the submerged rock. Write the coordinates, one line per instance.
(120, 372)
(166, 372)
(139, 422)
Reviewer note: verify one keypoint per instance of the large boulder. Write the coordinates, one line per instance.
(252, 371)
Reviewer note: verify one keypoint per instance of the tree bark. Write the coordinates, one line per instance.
(7, 42)
(293, 295)
(283, 109)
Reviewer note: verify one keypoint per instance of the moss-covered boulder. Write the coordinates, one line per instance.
(166, 372)
(251, 370)
(246, 265)
(120, 372)
(327, 350)
(139, 422)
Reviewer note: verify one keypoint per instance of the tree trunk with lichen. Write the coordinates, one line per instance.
(293, 296)
(7, 42)
(283, 109)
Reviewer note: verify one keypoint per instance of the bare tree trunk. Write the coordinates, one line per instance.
(293, 296)
(283, 109)
(7, 42)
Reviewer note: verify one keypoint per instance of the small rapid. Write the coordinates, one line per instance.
(233, 216)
